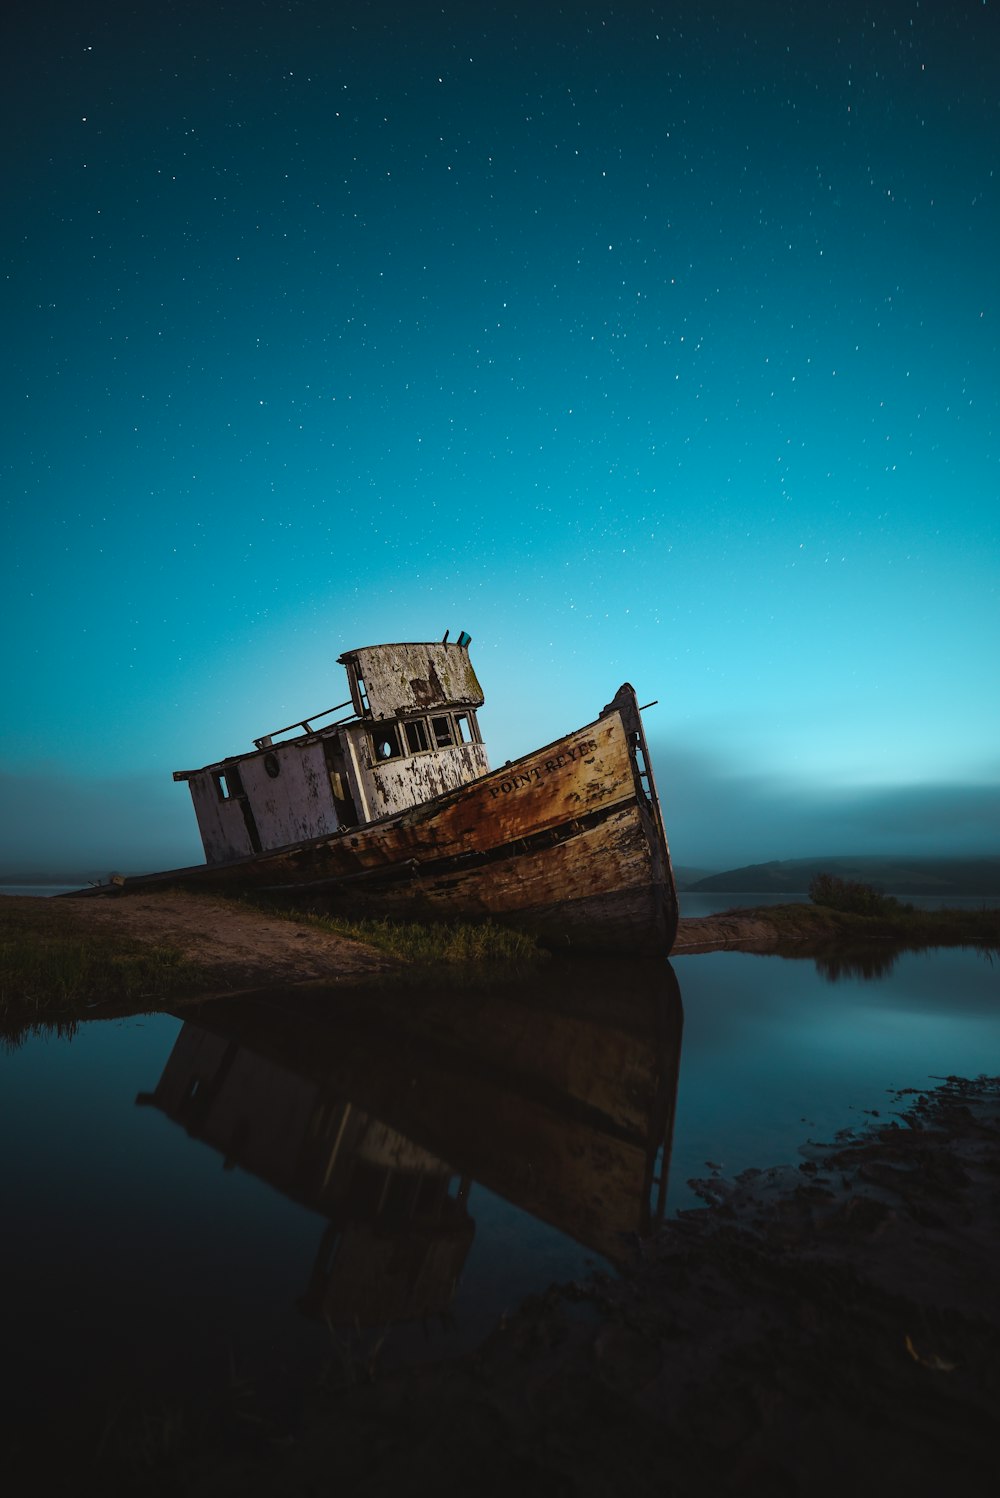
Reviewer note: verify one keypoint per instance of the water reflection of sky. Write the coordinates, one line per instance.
(774, 1053)
(133, 1236)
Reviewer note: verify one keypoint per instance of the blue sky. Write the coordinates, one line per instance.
(647, 342)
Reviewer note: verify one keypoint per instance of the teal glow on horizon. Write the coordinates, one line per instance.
(645, 343)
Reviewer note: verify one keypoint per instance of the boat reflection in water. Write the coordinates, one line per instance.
(380, 1110)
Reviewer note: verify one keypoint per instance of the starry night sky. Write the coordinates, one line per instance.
(643, 341)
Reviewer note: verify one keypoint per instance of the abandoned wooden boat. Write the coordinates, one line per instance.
(393, 811)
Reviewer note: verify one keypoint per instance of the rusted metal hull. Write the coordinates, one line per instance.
(566, 843)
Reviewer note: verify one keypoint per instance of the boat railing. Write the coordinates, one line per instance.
(307, 724)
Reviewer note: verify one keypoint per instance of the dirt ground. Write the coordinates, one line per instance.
(243, 947)
(715, 933)
(237, 946)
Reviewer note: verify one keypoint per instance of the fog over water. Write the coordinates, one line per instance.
(135, 823)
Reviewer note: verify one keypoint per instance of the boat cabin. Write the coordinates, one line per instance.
(411, 734)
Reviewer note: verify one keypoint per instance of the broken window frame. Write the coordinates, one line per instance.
(424, 735)
(359, 692)
(385, 733)
(466, 728)
(416, 736)
(443, 736)
(228, 783)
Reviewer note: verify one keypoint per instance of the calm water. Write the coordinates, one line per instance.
(248, 1191)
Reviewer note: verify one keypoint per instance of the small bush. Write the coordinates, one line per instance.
(851, 895)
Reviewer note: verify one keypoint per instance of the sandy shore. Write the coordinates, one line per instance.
(238, 946)
(241, 947)
(738, 930)
(235, 946)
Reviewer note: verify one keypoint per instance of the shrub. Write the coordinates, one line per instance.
(851, 895)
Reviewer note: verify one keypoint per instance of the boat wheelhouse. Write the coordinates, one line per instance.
(411, 735)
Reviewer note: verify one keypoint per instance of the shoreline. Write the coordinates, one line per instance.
(791, 929)
(172, 946)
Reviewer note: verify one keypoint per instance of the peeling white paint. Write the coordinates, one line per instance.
(223, 830)
(408, 781)
(318, 783)
(404, 679)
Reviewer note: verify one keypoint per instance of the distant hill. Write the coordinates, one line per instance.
(686, 878)
(897, 876)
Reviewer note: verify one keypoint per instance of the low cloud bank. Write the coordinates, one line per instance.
(55, 824)
(716, 818)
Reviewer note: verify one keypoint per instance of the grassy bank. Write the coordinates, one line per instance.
(909, 925)
(424, 945)
(904, 925)
(57, 965)
(53, 971)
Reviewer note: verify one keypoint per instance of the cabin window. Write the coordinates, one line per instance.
(465, 726)
(416, 736)
(441, 729)
(359, 682)
(385, 743)
(228, 783)
(272, 766)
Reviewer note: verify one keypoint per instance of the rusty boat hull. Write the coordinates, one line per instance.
(566, 843)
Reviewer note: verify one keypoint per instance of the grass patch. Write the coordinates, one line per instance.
(51, 970)
(894, 922)
(427, 943)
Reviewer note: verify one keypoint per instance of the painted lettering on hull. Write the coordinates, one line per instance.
(522, 778)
